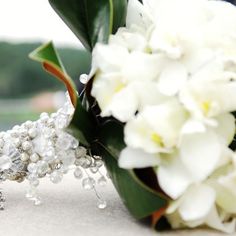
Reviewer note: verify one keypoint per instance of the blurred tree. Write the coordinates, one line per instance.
(20, 76)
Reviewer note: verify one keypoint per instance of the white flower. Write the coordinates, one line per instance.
(118, 81)
(156, 128)
(130, 39)
(197, 208)
(170, 76)
(205, 100)
(198, 155)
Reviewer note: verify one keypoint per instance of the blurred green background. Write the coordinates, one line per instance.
(25, 88)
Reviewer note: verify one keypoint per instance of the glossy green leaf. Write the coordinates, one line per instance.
(141, 200)
(47, 55)
(119, 14)
(91, 21)
(82, 125)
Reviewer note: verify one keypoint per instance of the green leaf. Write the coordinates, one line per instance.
(82, 125)
(119, 14)
(92, 21)
(141, 200)
(47, 55)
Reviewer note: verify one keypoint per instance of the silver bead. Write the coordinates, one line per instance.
(37, 201)
(43, 168)
(94, 169)
(32, 168)
(56, 177)
(84, 78)
(80, 152)
(88, 183)
(102, 181)
(5, 162)
(102, 204)
(99, 163)
(78, 173)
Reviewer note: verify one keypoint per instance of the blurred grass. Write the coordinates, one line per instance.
(12, 117)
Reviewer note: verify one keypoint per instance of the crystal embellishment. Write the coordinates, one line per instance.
(43, 148)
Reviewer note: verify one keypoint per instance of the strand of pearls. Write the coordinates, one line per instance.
(43, 148)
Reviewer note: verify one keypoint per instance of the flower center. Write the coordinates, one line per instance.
(206, 106)
(157, 139)
(119, 87)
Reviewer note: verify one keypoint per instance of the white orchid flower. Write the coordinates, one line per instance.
(209, 99)
(198, 158)
(197, 208)
(138, 17)
(120, 85)
(199, 155)
(130, 39)
(156, 128)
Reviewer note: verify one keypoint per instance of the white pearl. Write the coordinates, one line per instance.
(44, 117)
(29, 124)
(14, 134)
(17, 142)
(16, 127)
(24, 157)
(32, 132)
(23, 132)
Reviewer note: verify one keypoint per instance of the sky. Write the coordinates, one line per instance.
(33, 20)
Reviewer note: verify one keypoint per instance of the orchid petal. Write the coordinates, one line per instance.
(136, 158)
(122, 106)
(137, 15)
(200, 153)
(172, 78)
(173, 177)
(197, 203)
(226, 127)
(214, 221)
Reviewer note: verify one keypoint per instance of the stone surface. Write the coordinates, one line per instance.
(67, 209)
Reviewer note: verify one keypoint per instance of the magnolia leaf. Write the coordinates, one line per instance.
(119, 14)
(91, 21)
(141, 200)
(47, 55)
(82, 125)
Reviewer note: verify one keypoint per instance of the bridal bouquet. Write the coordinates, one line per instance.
(158, 105)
